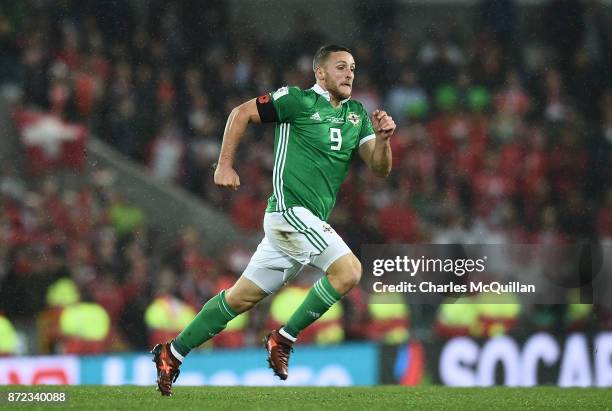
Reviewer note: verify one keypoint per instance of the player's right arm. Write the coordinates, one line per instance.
(280, 106)
(239, 118)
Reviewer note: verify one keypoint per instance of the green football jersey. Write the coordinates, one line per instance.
(313, 146)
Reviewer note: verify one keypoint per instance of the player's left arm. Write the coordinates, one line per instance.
(376, 152)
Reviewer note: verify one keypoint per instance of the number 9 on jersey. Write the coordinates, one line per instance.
(336, 138)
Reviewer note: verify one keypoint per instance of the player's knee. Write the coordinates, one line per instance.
(240, 302)
(355, 272)
(350, 275)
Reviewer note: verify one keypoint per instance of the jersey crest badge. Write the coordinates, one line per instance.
(353, 118)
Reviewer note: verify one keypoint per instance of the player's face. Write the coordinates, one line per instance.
(339, 72)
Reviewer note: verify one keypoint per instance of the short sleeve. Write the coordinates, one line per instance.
(288, 103)
(367, 131)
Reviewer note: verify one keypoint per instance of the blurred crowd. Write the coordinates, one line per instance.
(497, 131)
(63, 243)
(504, 132)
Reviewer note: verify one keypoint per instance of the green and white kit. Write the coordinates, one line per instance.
(314, 145)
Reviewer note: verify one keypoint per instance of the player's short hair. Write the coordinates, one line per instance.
(324, 52)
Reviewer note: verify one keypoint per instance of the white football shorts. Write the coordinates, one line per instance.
(293, 238)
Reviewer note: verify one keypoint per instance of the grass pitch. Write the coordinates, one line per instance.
(388, 398)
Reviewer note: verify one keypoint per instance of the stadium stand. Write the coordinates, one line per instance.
(508, 140)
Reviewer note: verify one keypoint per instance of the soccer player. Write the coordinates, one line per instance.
(318, 132)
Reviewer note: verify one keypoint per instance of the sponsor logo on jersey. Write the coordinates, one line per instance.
(316, 116)
(335, 120)
(353, 118)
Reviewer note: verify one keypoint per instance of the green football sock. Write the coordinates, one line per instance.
(210, 321)
(320, 297)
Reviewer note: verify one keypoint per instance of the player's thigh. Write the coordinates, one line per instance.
(304, 237)
(270, 268)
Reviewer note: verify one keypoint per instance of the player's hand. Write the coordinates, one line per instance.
(226, 177)
(383, 124)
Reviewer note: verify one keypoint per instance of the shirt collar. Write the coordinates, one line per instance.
(319, 90)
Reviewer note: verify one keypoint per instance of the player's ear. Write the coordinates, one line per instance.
(319, 73)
